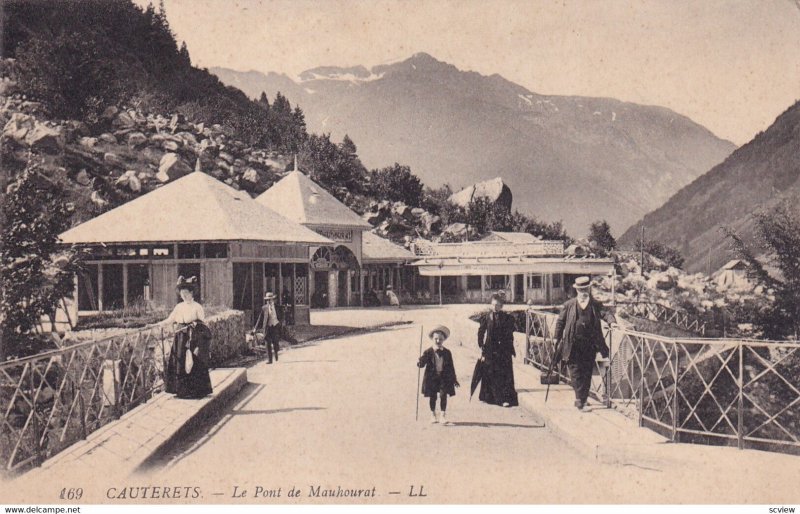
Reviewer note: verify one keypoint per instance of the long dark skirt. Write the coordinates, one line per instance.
(497, 384)
(197, 383)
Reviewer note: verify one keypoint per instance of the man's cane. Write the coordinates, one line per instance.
(419, 372)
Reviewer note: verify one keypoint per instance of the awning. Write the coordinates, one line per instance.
(447, 267)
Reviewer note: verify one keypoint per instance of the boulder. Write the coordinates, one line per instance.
(46, 139)
(662, 281)
(76, 129)
(432, 222)
(7, 86)
(112, 159)
(578, 250)
(494, 190)
(83, 178)
(402, 210)
(170, 146)
(97, 199)
(151, 155)
(228, 158)
(187, 138)
(107, 138)
(172, 167)
(373, 218)
(30, 107)
(137, 117)
(250, 175)
(136, 139)
(109, 113)
(130, 180)
(18, 127)
(123, 120)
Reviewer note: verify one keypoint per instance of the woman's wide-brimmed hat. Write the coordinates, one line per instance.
(186, 283)
(439, 328)
(582, 283)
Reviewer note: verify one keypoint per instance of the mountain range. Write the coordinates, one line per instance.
(570, 158)
(755, 177)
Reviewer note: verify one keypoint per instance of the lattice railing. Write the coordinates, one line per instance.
(658, 312)
(738, 392)
(51, 400)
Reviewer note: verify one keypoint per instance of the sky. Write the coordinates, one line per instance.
(732, 66)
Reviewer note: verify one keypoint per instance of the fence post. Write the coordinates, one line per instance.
(675, 397)
(36, 436)
(641, 386)
(82, 405)
(740, 421)
(527, 336)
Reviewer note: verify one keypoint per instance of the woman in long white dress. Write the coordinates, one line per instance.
(187, 373)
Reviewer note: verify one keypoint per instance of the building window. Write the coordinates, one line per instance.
(474, 283)
(163, 252)
(216, 250)
(496, 282)
(113, 294)
(87, 288)
(131, 252)
(189, 251)
(556, 280)
(449, 285)
(138, 284)
(535, 282)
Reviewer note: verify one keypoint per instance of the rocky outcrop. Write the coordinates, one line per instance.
(495, 191)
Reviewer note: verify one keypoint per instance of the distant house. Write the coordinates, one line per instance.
(193, 226)
(520, 265)
(733, 274)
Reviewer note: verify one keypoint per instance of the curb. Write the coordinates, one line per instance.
(226, 391)
(614, 452)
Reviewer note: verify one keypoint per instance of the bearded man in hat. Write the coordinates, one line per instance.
(579, 337)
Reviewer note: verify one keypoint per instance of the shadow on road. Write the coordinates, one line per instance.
(273, 411)
(491, 425)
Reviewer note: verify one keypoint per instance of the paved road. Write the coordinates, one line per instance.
(341, 413)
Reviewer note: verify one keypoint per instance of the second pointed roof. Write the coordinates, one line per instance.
(303, 201)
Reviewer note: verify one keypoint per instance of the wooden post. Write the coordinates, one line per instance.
(124, 284)
(100, 287)
(740, 406)
(440, 290)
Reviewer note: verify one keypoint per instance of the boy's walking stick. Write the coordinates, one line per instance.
(419, 371)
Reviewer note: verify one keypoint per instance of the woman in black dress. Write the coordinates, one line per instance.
(187, 368)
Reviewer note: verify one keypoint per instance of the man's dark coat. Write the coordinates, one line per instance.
(565, 331)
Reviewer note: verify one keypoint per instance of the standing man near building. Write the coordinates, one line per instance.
(272, 326)
(579, 338)
(496, 340)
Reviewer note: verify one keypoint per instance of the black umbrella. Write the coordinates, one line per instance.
(477, 376)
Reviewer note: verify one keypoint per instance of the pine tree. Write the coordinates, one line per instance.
(600, 237)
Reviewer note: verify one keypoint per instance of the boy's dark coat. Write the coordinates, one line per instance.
(433, 383)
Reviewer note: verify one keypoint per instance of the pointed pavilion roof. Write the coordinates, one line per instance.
(196, 207)
(303, 201)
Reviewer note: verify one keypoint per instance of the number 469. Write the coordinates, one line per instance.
(71, 493)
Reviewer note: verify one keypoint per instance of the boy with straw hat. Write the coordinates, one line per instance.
(440, 374)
